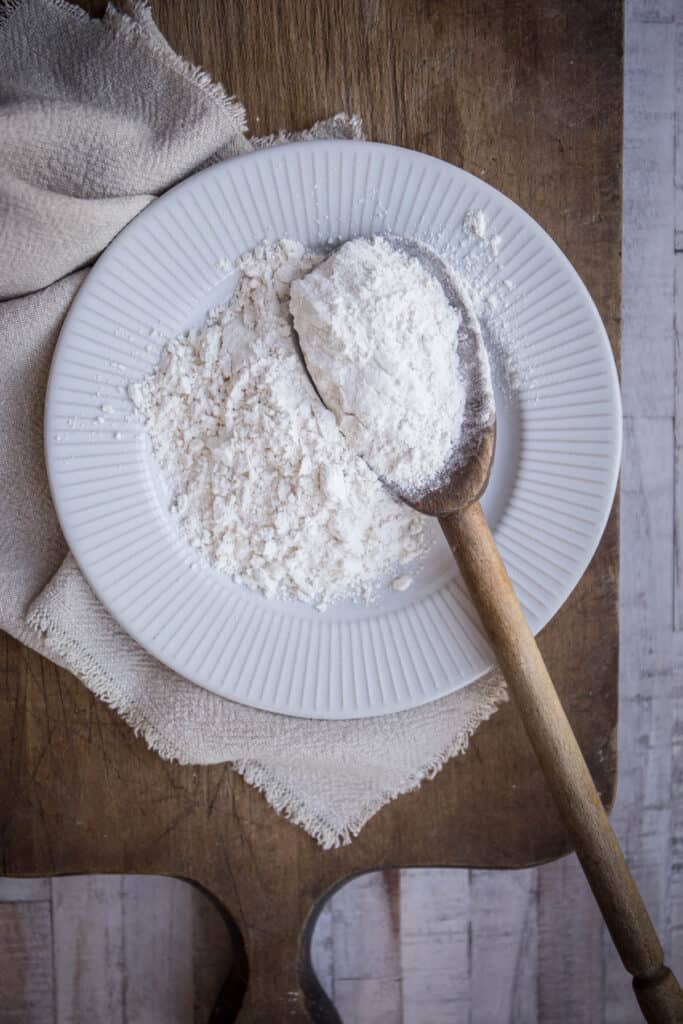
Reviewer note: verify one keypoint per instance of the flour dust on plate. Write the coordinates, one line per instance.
(557, 413)
(264, 485)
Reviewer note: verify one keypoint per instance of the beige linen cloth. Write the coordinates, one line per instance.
(97, 118)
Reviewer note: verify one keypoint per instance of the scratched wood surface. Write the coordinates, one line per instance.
(528, 96)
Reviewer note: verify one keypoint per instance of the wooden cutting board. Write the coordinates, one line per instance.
(527, 95)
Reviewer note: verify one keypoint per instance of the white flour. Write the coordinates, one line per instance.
(475, 265)
(380, 340)
(265, 486)
(475, 222)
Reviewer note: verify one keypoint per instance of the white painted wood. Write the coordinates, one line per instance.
(26, 972)
(524, 995)
(678, 439)
(676, 877)
(648, 382)
(468, 948)
(322, 949)
(367, 954)
(678, 326)
(24, 890)
(136, 949)
(212, 952)
(649, 11)
(676, 866)
(678, 169)
(642, 815)
(157, 950)
(88, 938)
(570, 938)
(435, 946)
(649, 703)
(504, 946)
(368, 1000)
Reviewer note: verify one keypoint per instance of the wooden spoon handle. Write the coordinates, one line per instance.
(551, 735)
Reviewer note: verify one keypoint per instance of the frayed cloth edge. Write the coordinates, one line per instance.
(328, 834)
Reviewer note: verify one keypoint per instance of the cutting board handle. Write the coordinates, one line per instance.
(657, 990)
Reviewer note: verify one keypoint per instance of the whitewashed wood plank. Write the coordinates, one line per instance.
(648, 705)
(322, 950)
(429, 997)
(570, 938)
(504, 946)
(157, 919)
(525, 993)
(367, 1000)
(212, 954)
(642, 815)
(367, 954)
(146, 947)
(648, 338)
(88, 948)
(676, 878)
(24, 890)
(26, 970)
(678, 322)
(676, 853)
(678, 156)
(678, 443)
(650, 11)
(435, 945)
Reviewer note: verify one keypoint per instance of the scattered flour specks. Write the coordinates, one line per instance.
(475, 222)
(478, 272)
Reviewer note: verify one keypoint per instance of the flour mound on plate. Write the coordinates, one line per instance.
(264, 485)
(380, 339)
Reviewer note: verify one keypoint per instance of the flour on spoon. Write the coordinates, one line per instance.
(380, 340)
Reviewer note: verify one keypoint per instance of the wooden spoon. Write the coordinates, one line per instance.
(455, 503)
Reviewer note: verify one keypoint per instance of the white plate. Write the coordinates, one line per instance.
(550, 493)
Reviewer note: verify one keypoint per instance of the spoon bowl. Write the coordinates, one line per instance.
(465, 476)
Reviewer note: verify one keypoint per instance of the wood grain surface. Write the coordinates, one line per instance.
(528, 96)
